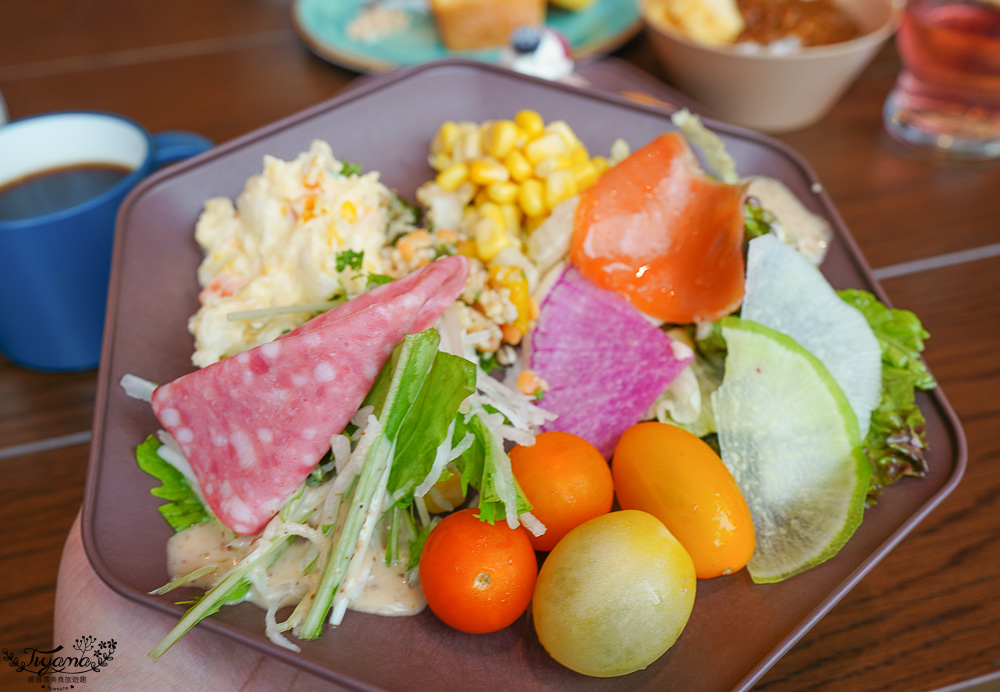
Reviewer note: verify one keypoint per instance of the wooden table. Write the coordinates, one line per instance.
(925, 618)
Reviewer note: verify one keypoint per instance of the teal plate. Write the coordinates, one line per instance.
(598, 29)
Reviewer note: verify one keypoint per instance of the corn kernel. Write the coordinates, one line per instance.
(518, 166)
(559, 186)
(512, 216)
(513, 279)
(552, 164)
(453, 176)
(491, 211)
(467, 248)
(439, 161)
(530, 122)
(446, 495)
(481, 197)
(533, 222)
(469, 146)
(601, 164)
(486, 171)
(502, 193)
(531, 198)
(490, 238)
(500, 138)
(544, 147)
(586, 175)
(579, 155)
(565, 132)
(445, 138)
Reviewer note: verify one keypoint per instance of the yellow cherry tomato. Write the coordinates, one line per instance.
(675, 476)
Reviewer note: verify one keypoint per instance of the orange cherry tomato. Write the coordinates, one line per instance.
(658, 230)
(566, 480)
(477, 577)
(675, 476)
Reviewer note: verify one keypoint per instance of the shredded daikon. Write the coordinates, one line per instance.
(138, 388)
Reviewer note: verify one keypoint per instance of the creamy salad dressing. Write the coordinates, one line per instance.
(387, 590)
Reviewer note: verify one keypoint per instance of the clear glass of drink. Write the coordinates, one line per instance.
(947, 97)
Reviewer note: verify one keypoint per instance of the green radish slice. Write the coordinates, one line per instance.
(789, 438)
(788, 293)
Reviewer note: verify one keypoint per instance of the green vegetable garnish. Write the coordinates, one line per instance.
(185, 508)
(896, 443)
(349, 169)
(349, 258)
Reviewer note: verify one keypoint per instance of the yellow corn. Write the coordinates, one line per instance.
(490, 238)
(513, 279)
(445, 495)
(500, 138)
(453, 176)
(445, 138)
(486, 171)
(585, 174)
(469, 146)
(467, 248)
(518, 166)
(502, 193)
(544, 147)
(491, 211)
(439, 161)
(558, 186)
(533, 222)
(579, 155)
(601, 164)
(481, 197)
(530, 122)
(551, 164)
(565, 133)
(531, 197)
(512, 216)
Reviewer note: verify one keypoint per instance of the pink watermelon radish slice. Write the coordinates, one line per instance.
(605, 364)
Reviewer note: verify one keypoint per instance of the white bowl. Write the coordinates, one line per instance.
(775, 93)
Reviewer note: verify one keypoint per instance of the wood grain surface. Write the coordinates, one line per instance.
(924, 618)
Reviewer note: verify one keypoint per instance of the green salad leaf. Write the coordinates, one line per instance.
(896, 444)
(185, 508)
(757, 220)
(486, 467)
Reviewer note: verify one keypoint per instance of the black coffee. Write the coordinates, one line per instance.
(56, 189)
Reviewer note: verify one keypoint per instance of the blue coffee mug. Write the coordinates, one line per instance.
(54, 268)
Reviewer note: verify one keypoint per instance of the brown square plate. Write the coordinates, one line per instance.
(737, 630)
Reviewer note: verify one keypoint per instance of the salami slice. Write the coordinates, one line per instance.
(255, 425)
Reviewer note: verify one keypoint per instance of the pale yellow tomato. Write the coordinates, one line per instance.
(614, 594)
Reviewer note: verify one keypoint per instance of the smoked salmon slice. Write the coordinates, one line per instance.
(254, 426)
(659, 231)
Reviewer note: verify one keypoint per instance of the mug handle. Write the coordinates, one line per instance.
(175, 145)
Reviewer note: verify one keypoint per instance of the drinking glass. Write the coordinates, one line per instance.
(947, 97)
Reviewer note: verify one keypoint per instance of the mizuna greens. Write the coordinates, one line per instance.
(410, 426)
